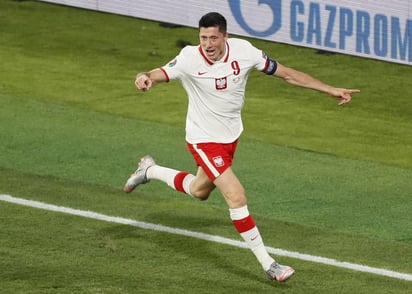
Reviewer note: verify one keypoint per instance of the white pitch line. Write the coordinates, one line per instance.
(203, 236)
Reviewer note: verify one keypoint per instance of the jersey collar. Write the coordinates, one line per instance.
(211, 62)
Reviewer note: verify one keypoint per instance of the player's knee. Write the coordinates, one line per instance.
(238, 201)
(202, 195)
(235, 199)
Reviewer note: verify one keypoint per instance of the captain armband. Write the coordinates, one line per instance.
(270, 67)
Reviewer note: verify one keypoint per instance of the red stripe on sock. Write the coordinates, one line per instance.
(178, 181)
(244, 224)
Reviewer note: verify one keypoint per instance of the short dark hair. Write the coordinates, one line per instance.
(213, 19)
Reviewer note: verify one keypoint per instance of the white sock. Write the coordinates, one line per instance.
(246, 227)
(175, 179)
(164, 174)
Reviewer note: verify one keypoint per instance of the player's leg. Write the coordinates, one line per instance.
(216, 161)
(234, 194)
(199, 186)
(231, 188)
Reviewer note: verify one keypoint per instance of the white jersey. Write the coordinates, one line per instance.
(216, 89)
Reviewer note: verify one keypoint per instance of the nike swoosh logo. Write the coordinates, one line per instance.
(200, 73)
(254, 238)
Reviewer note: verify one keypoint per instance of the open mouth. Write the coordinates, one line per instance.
(210, 52)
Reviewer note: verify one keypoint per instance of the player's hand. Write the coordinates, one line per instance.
(143, 82)
(343, 95)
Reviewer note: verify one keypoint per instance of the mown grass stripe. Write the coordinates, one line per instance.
(203, 236)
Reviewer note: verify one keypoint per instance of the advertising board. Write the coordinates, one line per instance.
(378, 29)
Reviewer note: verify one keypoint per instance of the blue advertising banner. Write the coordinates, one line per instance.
(369, 28)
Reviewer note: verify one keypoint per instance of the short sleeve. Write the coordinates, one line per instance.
(175, 68)
(261, 61)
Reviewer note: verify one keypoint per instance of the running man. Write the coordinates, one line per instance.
(214, 75)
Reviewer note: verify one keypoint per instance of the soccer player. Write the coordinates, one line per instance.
(214, 75)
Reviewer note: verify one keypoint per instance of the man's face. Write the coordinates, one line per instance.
(213, 42)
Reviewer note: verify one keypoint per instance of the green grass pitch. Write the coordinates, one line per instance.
(322, 180)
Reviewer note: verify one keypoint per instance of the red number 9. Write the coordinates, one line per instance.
(236, 67)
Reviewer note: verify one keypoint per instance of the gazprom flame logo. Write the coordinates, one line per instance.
(274, 5)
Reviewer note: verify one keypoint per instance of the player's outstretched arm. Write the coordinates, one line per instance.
(146, 80)
(302, 79)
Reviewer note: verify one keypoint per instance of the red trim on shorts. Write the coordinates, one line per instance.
(178, 181)
(214, 158)
(244, 224)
